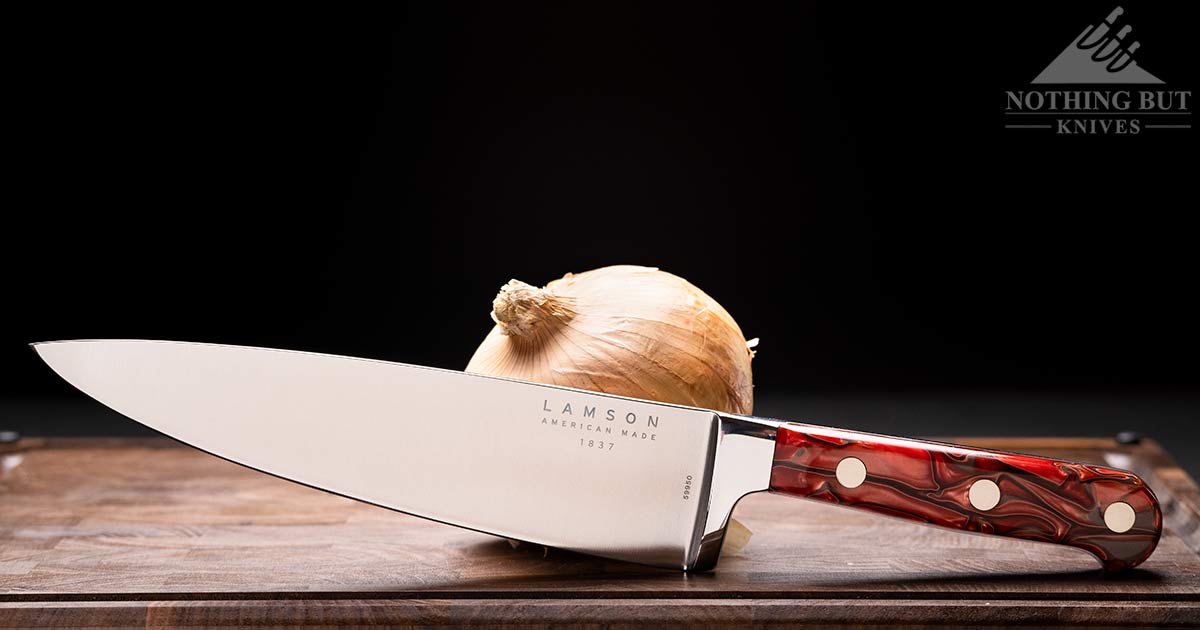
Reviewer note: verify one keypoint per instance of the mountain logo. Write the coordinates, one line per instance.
(1102, 54)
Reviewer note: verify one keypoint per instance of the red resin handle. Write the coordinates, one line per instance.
(1110, 513)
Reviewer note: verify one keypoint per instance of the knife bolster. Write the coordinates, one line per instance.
(741, 455)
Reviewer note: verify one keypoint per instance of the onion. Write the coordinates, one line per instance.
(624, 330)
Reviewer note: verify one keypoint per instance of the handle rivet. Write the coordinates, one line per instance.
(1119, 517)
(984, 494)
(851, 472)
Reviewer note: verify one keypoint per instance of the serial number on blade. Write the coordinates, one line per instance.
(596, 444)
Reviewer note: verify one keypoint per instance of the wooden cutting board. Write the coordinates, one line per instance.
(142, 532)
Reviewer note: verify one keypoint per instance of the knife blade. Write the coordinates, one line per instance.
(617, 477)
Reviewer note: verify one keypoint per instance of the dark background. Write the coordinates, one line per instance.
(836, 175)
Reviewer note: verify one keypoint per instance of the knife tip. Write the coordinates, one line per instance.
(38, 344)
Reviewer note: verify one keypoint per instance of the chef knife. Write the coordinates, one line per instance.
(617, 477)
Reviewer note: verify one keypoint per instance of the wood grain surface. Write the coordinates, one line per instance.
(145, 533)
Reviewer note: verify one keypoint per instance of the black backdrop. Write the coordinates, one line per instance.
(837, 175)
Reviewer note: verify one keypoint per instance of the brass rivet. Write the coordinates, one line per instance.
(851, 472)
(1119, 517)
(984, 494)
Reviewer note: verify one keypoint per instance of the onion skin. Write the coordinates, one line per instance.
(624, 330)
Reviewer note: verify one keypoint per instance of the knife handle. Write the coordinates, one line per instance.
(1109, 513)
